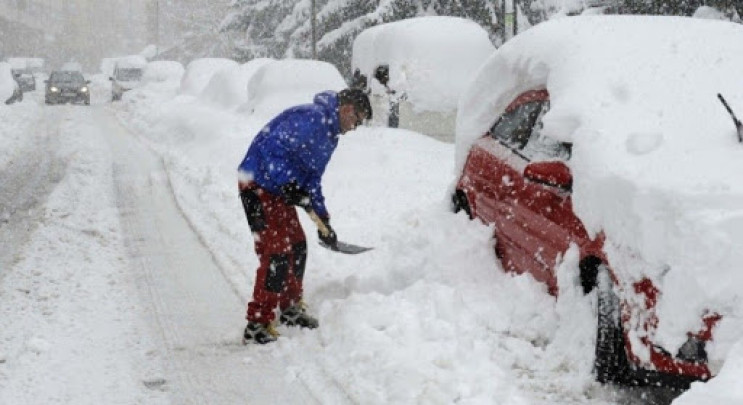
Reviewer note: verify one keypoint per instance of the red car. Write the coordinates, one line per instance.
(518, 179)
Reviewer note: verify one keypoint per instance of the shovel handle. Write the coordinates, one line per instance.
(320, 224)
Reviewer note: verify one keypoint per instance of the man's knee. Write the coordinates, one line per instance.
(277, 270)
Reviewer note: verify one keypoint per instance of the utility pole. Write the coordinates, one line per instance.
(157, 28)
(314, 31)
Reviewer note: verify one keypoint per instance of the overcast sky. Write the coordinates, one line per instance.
(88, 30)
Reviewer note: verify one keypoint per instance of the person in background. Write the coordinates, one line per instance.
(283, 168)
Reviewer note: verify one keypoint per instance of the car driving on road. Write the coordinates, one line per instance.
(574, 142)
(67, 86)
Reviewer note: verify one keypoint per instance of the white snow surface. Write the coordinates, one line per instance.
(7, 83)
(276, 84)
(656, 160)
(163, 71)
(200, 71)
(426, 317)
(228, 88)
(431, 59)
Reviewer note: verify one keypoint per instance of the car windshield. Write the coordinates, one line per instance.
(67, 77)
(129, 74)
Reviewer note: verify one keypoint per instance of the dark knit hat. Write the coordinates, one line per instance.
(358, 99)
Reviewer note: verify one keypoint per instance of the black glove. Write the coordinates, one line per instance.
(331, 239)
(294, 195)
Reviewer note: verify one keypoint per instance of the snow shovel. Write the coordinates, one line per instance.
(737, 122)
(339, 246)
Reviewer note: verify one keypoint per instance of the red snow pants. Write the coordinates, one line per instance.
(281, 247)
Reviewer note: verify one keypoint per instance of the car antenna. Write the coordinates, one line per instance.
(738, 125)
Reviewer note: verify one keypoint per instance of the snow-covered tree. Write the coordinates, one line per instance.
(282, 28)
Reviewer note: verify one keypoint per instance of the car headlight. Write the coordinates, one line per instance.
(53, 89)
(84, 89)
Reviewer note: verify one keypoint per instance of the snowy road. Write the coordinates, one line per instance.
(87, 191)
(196, 309)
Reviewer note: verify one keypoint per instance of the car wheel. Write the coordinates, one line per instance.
(611, 358)
(459, 202)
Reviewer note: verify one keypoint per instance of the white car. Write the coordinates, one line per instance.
(127, 74)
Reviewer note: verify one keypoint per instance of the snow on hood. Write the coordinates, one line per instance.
(656, 162)
(431, 59)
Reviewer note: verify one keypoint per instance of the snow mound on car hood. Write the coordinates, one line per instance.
(656, 163)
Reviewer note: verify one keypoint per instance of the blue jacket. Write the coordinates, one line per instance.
(295, 146)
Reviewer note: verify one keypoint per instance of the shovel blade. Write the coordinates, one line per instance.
(346, 248)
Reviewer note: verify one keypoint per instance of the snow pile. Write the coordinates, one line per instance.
(200, 71)
(279, 84)
(431, 59)
(228, 88)
(163, 71)
(7, 83)
(656, 162)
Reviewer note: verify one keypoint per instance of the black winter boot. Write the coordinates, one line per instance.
(259, 333)
(297, 316)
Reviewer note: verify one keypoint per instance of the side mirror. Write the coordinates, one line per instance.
(111, 78)
(553, 174)
(87, 82)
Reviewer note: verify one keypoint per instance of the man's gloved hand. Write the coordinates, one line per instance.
(294, 195)
(330, 239)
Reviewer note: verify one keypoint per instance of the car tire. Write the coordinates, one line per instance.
(611, 364)
(459, 202)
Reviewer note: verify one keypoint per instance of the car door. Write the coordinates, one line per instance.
(541, 223)
(493, 172)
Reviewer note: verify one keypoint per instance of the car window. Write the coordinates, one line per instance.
(521, 130)
(541, 147)
(67, 77)
(514, 127)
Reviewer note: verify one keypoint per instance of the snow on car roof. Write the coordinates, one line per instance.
(656, 162)
(277, 85)
(431, 59)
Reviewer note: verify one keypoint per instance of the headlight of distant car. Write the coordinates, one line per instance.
(53, 89)
(84, 89)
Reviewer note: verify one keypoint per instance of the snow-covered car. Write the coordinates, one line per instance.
(605, 140)
(67, 86)
(127, 74)
(428, 62)
(277, 85)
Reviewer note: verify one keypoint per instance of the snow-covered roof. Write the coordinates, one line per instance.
(431, 59)
(656, 162)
